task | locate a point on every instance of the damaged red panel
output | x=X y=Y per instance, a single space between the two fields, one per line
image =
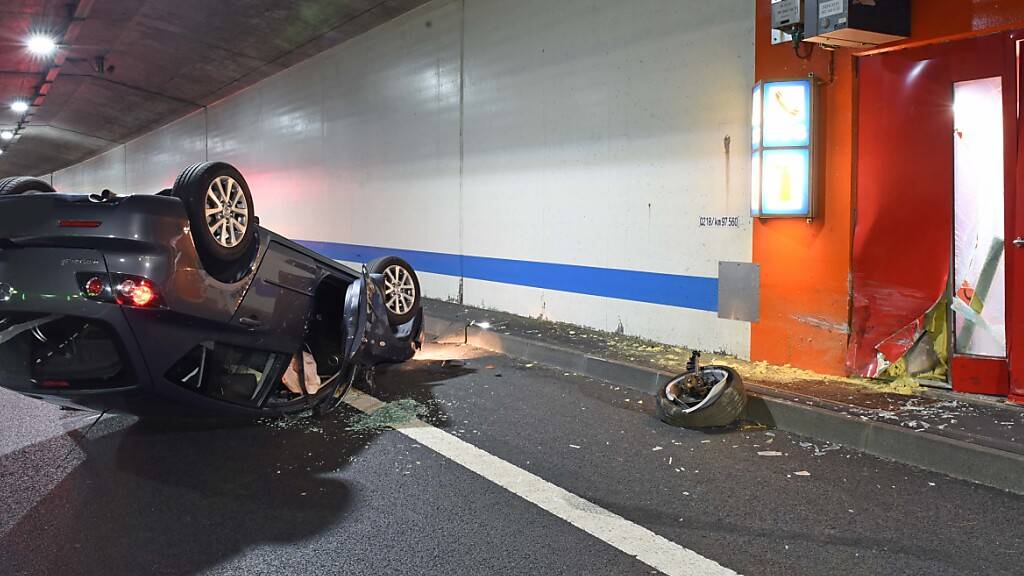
x=980 y=375
x=904 y=215
x=904 y=205
x=896 y=346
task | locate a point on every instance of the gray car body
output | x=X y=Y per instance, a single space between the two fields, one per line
x=45 y=251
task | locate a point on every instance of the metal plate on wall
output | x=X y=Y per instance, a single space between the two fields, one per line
x=739 y=291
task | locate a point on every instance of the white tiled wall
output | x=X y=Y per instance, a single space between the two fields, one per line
x=588 y=132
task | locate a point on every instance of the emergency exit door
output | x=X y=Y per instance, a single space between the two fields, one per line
x=934 y=276
x=977 y=290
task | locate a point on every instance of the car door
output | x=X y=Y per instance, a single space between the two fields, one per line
x=274 y=311
x=371 y=340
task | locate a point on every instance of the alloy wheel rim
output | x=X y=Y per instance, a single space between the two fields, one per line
x=227 y=212
x=399 y=289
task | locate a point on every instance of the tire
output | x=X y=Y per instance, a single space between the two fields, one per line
x=722 y=410
x=223 y=238
x=401 y=288
x=16 y=185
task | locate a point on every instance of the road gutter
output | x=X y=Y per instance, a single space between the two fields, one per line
x=956 y=458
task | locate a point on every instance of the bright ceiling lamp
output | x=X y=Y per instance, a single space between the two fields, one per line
x=41 y=45
x=6 y=135
x=19 y=106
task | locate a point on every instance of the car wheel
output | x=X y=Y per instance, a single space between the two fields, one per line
x=220 y=212
x=401 y=288
x=721 y=406
x=15 y=185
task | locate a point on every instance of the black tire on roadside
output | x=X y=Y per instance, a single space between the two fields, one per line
x=402 y=306
x=220 y=212
x=725 y=411
x=15 y=185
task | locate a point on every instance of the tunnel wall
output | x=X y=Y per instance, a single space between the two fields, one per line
x=577 y=160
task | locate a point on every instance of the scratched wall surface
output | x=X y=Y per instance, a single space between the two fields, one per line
x=592 y=134
x=805 y=266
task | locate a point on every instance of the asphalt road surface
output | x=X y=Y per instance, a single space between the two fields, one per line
x=511 y=468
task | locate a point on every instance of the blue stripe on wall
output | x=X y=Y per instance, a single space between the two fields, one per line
x=694 y=292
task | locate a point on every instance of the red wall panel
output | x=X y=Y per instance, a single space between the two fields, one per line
x=904 y=217
x=806 y=276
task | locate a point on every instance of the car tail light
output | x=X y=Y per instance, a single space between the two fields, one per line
x=94 y=287
x=123 y=289
x=135 y=291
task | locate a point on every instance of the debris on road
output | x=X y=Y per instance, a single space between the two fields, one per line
x=769 y=453
x=303 y=421
x=802 y=473
x=389 y=415
x=820 y=451
x=702 y=396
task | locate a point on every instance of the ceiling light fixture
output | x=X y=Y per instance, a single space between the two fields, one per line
x=19 y=106
x=41 y=45
x=6 y=135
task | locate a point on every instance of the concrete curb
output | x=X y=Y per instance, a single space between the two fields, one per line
x=956 y=458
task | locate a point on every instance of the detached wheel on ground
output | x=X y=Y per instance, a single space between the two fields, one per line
x=401 y=288
x=15 y=185
x=220 y=212
x=703 y=397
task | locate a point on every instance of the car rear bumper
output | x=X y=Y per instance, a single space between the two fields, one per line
x=60 y=346
x=95 y=362
x=89 y=361
x=53 y=341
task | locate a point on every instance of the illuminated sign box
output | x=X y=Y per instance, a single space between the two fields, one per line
x=782 y=150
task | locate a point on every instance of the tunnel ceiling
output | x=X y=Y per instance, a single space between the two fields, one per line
x=130 y=66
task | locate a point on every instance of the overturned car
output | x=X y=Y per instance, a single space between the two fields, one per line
x=179 y=303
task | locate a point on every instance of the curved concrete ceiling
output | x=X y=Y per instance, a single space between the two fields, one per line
x=129 y=66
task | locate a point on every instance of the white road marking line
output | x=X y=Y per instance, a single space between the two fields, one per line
x=651 y=549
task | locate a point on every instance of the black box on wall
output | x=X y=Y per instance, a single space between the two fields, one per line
x=856 y=23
